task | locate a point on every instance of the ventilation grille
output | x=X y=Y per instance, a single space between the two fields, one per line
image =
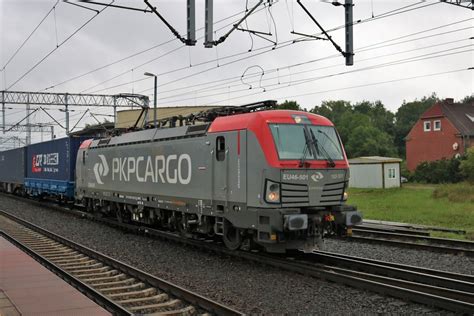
x=294 y=194
x=332 y=193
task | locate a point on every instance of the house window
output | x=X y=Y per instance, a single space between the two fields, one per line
x=427 y=126
x=391 y=173
x=437 y=125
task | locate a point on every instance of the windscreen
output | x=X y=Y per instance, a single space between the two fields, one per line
x=292 y=143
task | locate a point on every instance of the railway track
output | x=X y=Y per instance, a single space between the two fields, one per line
x=436 y=288
x=392 y=229
x=443 y=245
x=119 y=288
x=445 y=290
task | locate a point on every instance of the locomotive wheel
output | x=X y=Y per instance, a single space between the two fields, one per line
x=181 y=227
x=232 y=237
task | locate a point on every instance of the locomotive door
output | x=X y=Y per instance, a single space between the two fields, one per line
x=220 y=172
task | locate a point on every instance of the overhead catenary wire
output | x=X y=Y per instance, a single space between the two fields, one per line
x=272 y=47
x=365 y=48
x=377 y=83
x=279 y=77
x=294 y=83
x=370 y=67
x=128 y=57
x=56 y=48
x=361 y=85
x=29 y=36
x=156 y=58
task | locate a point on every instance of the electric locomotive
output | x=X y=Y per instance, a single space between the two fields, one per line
x=274 y=179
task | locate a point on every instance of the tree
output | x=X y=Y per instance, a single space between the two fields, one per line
x=379 y=116
x=348 y=122
x=467 y=166
x=367 y=140
x=289 y=105
x=333 y=110
x=406 y=117
x=468 y=99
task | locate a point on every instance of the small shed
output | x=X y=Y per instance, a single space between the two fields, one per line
x=375 y=172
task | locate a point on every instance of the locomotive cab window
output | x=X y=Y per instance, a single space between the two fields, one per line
x=291 y=141
x=84 y=157
x=220 y=148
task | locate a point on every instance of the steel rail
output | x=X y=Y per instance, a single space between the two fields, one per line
x=416 y=274
x=430 y=287
x=440 y=273
x=167 y=287
x=445 y=245
x=391 y=229
x=82 y=287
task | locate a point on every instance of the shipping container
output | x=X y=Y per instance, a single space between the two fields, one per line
x=50 y=167
x=12 y=169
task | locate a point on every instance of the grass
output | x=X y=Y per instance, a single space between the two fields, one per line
x=433 y=205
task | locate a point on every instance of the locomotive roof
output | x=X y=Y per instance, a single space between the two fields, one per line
x=253 y=120
x=151 y=135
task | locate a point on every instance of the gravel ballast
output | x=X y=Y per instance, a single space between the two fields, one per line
x=245 y=286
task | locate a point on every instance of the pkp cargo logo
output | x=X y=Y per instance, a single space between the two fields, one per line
x=101 y=169
x=317 y=176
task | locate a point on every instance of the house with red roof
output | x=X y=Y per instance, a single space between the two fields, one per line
x=445 y=130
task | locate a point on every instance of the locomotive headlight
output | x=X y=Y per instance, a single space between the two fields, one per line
x=272 y=194
x=345 y=196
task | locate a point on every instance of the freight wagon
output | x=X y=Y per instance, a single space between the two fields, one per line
x=12 y=170
x=50 y=167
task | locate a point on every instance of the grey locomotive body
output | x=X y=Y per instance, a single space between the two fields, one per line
x=229 y=178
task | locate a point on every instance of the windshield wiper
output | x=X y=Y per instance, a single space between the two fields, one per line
x=330 y=161
x=307 y=147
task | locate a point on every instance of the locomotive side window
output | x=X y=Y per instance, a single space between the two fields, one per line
x=220 y=148
x=84 y=157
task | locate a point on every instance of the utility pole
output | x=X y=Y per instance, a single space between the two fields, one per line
x=191 y=21
x=209 y=39
x=3 y=111
x=155 y=94
x=349 y=33
x=115 y=112
x=67 y=113
x=28 y=125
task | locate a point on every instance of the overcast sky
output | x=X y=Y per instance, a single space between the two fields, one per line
x=426 y=39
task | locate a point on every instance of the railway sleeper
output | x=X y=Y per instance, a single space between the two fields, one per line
x=162 y=297
x=139 y=285
x=78 y=264
x=94 y=281
x=145 y=292
x=40 y=243
x=76 y=258
x=32 y=239
x=88 y=269
x=65 y=257
x=169 y=304
x=96 y=275
x=56 y=252
x=48 y=248
x=188 y=310
x=106 y=285
x=30 y=235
